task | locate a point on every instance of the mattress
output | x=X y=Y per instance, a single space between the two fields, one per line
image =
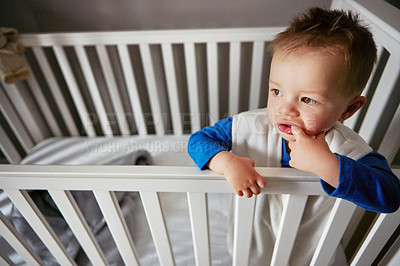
x=154 y=150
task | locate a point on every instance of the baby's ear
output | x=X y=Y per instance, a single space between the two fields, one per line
x=353 y=107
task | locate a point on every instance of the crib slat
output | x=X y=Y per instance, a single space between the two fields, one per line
x=94 y=91
x=380 y=233
x=113 y=89
x=43 y=105
x=132 y=89
x=39 y=224
x=256 y=74
x=74 y=90
x=6 y=262
x=234 y=77
x=391 y=141
x=14 y=122
x=24 y=112
x=200 y=230
x=22 y=109
x=337 y=222
x=395 y=261
x=244 y=214
x=17 y=242
x=8 y=148
x=382 y=95
x=289 y=225
x=169 y=69
x=155 y=218
x=152 y=88
x=56 y=91
x=212 y=73
x=109 y=206
x=76 y=221
x=193 y=90
x=392 y=256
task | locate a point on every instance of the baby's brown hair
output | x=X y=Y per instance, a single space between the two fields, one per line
x=336 y=31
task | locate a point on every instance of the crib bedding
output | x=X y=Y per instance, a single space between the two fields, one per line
x=151 y=150
x=166 y=150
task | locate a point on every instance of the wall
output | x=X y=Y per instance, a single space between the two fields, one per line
x=92 y=15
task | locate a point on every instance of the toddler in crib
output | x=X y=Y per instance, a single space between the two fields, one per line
x=320 y=65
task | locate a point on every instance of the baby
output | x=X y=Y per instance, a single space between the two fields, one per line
x=320 y=65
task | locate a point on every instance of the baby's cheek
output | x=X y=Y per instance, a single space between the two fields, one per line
x=312 y=125
x=313 y=131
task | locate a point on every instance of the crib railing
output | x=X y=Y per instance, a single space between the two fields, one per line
x=149 y=181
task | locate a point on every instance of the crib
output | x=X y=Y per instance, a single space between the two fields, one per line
x=96 y=103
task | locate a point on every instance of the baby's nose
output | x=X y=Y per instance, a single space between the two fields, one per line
x=288 y=109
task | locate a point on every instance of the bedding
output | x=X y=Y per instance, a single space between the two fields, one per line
x=168 y=150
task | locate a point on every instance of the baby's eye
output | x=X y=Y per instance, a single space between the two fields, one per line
x=277 y=92
x=308 y=100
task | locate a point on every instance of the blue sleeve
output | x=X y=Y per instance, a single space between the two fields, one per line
x=367 y=182
x=207 y=142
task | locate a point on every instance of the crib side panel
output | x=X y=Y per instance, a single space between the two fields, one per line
x=104 y=183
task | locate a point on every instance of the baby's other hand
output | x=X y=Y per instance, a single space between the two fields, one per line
x=312 y=154
x=239 y=172
x=306 y=151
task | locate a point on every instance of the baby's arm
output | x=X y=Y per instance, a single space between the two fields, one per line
x=367 y=182
x=209 y=148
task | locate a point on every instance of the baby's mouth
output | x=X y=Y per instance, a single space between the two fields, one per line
x=285 y=128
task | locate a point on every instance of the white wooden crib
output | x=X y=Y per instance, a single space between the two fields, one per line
x=96 y=97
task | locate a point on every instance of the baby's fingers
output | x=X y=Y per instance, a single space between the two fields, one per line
x=239 y=193
x=298 y=132
x=255 y=188
x=261 y=182
x=248 y=193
